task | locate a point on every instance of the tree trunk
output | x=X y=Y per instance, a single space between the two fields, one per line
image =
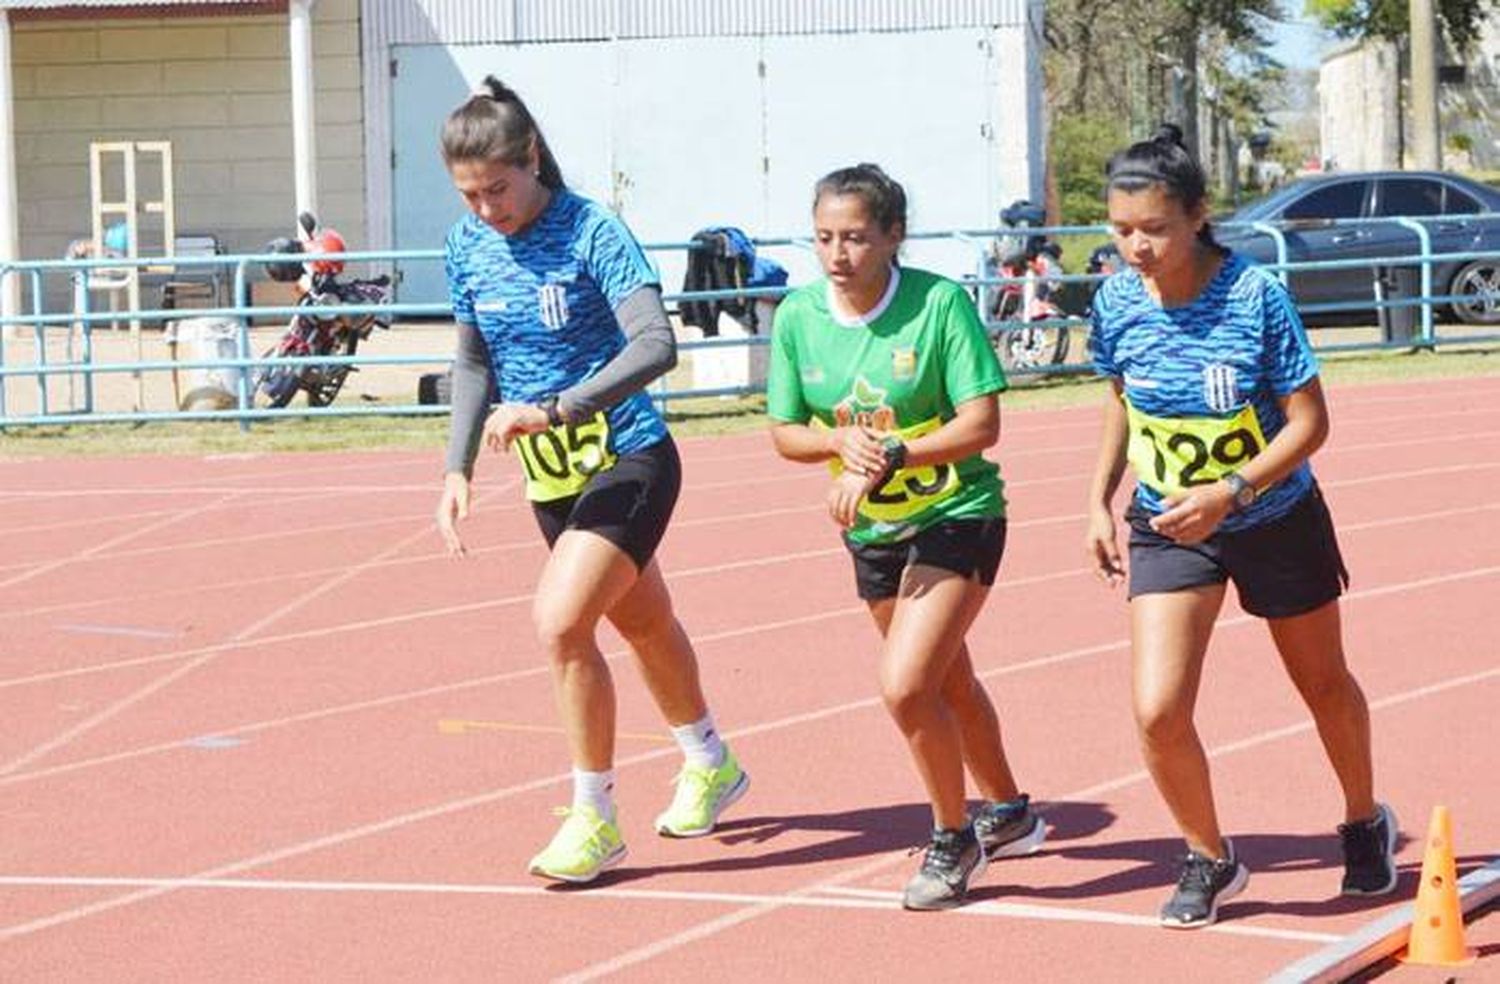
x=1187 y=60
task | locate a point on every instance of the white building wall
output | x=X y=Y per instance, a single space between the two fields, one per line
x=1018 y=137
x=1360 y=109
x=218 y=88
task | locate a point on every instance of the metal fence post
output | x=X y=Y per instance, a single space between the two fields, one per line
x=1424 y=236
x=242 y=344
x=1279 y=238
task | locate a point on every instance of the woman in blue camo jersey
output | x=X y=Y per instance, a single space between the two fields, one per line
x=1215 y=403
x=556 y=303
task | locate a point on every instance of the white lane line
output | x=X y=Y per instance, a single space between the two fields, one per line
x=676 y=941
x=115 y=492
x=119 y=630
x=433 y=691
x=8 y=775
x=699 y=639
x=832 y=897
x=302 y=600
x=801 y=477
x=1057 y=913
x=98 y=548
x=715 y=926
x=701 y=521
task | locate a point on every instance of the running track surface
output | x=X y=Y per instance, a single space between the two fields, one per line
x=258 y=727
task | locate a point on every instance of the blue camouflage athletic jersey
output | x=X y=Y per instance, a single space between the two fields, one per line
x=544 y=301
x=1202 y=381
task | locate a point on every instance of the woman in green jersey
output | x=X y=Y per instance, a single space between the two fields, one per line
x=885 y=374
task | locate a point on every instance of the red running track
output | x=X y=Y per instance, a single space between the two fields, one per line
x=258 y=727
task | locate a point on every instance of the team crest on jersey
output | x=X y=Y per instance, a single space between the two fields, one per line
x=903 y=363
x=552 y=305
x=1220 y=387
x=865 y=405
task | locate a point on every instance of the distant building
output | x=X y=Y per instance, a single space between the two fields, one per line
x=679 y=114
x=1364 y=121
x=1360 y=108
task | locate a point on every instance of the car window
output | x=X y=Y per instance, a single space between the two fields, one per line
x=1460 y=203
x=1410 y=196
x=1345 y=200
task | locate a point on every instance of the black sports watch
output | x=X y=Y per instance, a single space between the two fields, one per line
x=1244 y=493
x=550 y=408
x=895 y=453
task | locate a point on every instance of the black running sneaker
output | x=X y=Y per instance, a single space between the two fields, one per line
x=1370 y=853
x=1009 y=829
x=1204 y=883
x=952 y=858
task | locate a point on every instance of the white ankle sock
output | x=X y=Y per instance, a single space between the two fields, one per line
x=700 y=743
x=595 y=789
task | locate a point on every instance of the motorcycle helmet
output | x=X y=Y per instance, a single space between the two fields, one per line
x=326 y=241
x=289 y=271
x=1023 y=213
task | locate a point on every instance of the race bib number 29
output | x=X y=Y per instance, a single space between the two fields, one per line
x=560 y=461
x=1171 y=454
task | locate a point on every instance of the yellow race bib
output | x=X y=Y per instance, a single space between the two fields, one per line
x=909 y=490
x=1171 y=454
x=560 y=461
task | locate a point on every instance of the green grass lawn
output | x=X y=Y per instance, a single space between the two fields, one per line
x=688 y=418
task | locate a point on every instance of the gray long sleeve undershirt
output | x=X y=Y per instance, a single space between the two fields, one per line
x=650 y=350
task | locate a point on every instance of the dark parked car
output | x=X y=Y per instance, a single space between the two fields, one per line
x=1466 y=218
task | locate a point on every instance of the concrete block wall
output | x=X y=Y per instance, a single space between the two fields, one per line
x=218 y=88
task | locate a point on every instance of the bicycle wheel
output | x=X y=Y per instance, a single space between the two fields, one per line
x=1027 y=347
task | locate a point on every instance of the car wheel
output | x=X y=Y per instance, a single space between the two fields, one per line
x=1479 y=286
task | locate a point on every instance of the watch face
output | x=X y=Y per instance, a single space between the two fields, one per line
x=1245 y=496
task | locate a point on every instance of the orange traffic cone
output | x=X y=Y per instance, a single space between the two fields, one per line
x=1437 y=926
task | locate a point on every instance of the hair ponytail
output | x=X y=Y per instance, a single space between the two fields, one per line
x=1162 y=160
x=494 y=124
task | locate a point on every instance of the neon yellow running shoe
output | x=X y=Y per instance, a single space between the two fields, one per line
x=702 y=794
x=583 y=846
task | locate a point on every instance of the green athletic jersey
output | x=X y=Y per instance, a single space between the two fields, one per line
x=903 y=373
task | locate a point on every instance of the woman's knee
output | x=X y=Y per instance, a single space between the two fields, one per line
x=1329 y=686
x=1162 y=723
x=910 y=700
x=562 y=630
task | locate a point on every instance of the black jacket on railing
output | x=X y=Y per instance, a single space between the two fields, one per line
x=724 y=259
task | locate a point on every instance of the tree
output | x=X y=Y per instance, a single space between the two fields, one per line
x=1461 y=20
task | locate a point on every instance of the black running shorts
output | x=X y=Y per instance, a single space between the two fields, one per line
x=628 y=505
x=1288 y=566
x=970 y=548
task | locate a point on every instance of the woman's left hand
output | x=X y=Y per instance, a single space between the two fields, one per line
x=845 y=493
x=510 y=421
x=1192 y=516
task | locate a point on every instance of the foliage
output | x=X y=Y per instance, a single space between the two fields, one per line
x=1461 y=20
x=1081 y=145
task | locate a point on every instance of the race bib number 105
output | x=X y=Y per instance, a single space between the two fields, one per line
x=560 y=461
x=1171 y=454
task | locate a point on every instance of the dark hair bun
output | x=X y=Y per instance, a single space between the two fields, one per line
x=498 y=91
x=1169 y=134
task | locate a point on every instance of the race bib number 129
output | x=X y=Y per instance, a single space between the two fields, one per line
x=560 y=461
x=1171 y=454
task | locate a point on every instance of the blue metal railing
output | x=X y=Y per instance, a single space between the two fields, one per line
x=81 y=321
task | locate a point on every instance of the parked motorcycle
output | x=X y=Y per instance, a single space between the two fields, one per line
x=323 y=329
x=1023 y=316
